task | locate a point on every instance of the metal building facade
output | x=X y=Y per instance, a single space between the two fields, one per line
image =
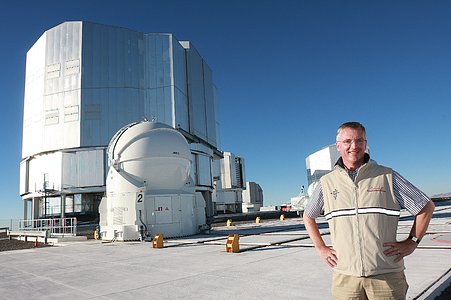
x=84 y=81
x=320 y=163
x=252 y=197
x=231 y=182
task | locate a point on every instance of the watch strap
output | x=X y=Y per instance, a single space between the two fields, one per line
x=414 y=238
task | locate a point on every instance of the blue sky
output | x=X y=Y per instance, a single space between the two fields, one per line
x=288 y=73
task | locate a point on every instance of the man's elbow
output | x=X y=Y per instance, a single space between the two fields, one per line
x=307 y=220
x=431 y=206
x=428 y=209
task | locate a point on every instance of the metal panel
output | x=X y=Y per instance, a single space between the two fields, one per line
x=23 y=185
x=196 y=94
x=181 y=110
x=163 y=209
x=43 y=168
x=230 y=197
x=228 y=174
x=61 y=86
x=232 y=172
x=112 y=77
x=216 y=169
x=158 y=102
x=202 y=96
x=188 y=218
x=201 y=168
x=178 y=213
x=63 y=54
x=158 y=105
x=217 y=125
x=240 y=173
x=193 y=170
x=204 y=177
x=83 y=169
x=180 y=86
x=104 y=111
x=253 y=193
x=111 y=57
x=71 y=113
x=34 y=99
x=70 y=179
x=210 y=111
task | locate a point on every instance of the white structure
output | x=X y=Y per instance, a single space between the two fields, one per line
x=252 y=197
x=320 y=163
x=84 y=82
x=149 y=189
x=298 y=202
x=230 y=184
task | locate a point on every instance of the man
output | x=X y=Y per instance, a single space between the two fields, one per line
x=362 y=202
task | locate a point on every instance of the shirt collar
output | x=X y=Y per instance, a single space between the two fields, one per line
x=366 y=158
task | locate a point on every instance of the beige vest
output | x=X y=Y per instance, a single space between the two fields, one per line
x=362 y=216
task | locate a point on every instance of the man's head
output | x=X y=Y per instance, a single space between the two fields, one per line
x=351 y=143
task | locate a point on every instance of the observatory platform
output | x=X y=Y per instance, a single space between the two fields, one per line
x=276 y=261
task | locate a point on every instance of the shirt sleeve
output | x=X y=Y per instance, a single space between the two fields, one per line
x=315 y=205
x=408 y=196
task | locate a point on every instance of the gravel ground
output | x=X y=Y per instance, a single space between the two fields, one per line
x=7 y=245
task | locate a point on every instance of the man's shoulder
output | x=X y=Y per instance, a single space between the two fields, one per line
x=332 y=173
x=380 y=169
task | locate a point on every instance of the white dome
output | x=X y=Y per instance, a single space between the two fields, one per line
x=151 y=152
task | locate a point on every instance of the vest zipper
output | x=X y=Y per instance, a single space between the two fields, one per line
x=359 y=233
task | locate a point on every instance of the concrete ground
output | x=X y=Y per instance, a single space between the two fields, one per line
x=276 y=261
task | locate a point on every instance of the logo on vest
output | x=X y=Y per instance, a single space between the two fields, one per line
x=376 y=189
x=335 y=193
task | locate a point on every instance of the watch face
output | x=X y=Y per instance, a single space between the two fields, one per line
x=415 y=239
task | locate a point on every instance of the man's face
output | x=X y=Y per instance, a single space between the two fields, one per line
x=352 y=144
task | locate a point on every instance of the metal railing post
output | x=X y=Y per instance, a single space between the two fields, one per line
x=61 y=226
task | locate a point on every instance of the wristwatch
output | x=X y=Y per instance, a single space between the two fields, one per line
x=414 y=238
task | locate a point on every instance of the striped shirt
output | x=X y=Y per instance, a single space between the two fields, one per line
x=407 y=195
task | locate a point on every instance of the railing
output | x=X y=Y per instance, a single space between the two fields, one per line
x=54 y=227
x=41 y=235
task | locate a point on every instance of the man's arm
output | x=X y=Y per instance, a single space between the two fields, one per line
x=418 y=230
x=422 y=220
x=418 y=204
x=326 y=253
